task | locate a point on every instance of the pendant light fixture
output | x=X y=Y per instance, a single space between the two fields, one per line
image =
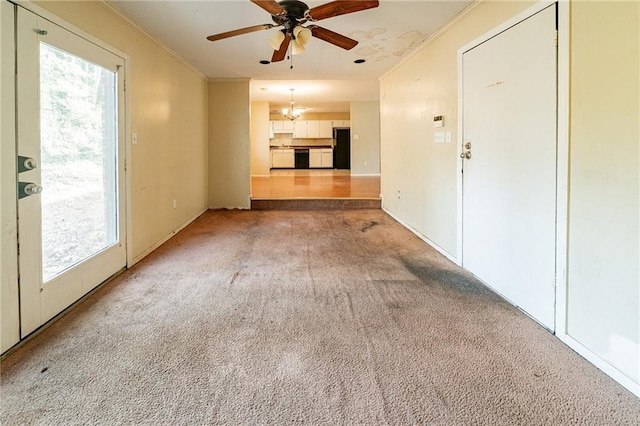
x=292 y=113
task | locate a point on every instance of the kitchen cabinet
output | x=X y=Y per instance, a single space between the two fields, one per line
x=300 y=130
x=320 y=158
x=282 y=158
x=325 y=129
x=341 y=123
x=281 y=126
x=313 y=129
x=315 y=158
x=327 y=157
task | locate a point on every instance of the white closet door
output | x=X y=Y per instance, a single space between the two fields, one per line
x=509 y=181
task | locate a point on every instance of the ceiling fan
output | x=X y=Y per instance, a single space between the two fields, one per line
x=291 y=15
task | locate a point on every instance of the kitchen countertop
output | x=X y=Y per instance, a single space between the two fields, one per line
x=302 y=147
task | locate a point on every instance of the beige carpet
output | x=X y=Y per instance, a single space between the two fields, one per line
x=281 y=317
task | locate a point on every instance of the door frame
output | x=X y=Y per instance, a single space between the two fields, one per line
x=126 y=199
x=562 y=146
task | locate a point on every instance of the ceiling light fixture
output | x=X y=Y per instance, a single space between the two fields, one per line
x=299 y=35
x=292 y=113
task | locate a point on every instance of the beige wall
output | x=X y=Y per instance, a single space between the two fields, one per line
x=419 y=176
x=604 y=233
x=169 y=114
x=229 y=144
x=365 y=126
x=260 y=159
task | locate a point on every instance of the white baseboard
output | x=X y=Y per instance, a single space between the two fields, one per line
x=148 y=251
x=423 y=238
x=365 y=174
x=602 y=364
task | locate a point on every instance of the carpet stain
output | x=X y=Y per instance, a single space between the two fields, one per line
x=234 y=277
x=368 y=226
x=456 y=280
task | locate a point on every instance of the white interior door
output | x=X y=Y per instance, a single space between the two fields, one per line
x=70 y=118
x=509 y=180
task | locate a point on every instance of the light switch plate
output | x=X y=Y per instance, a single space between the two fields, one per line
x=134 y=138
x=447 y=137
x=439 y=137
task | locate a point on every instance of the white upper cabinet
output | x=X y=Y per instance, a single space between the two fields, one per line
x=313 y=129
x=325 y=129
x=282 y=126
x=341 y=123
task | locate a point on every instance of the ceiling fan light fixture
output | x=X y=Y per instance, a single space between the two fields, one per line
x=276 y=39
x=296 y=48
x=302 y=35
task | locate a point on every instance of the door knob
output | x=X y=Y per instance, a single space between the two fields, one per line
x=466 y=155
x=28 y=188
x=467 y=145
x=26 y=163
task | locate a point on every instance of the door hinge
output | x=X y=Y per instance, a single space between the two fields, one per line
x=555 y=39
x=41 y=32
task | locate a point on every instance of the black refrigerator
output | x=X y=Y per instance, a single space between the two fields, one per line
x=342 y=150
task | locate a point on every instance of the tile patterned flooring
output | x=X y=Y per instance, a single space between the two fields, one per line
x=314 y=184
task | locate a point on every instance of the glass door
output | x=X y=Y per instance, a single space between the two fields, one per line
x=70 y=167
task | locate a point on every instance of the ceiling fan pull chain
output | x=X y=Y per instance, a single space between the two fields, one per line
x=290 y=57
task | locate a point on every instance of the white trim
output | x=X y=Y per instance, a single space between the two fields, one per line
x=601 y=364
x=113 y=9
x=562 y=172
x=148 y=251
x=127 y=163
x=459 y=164
x=423 y=238
x=366 y=174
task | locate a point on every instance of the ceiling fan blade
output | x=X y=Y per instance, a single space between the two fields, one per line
x=270 y=6
x=279 y=54
x=333 y=37
x=341 y=7
x=239 y=32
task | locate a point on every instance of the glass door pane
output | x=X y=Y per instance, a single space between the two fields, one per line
x=78 y=132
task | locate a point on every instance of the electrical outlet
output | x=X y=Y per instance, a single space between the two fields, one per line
x=174 y=203
x=447 y=137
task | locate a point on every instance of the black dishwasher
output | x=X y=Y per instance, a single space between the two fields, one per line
x=301 y=158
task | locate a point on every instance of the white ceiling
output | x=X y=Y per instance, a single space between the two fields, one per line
x=325 y=77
